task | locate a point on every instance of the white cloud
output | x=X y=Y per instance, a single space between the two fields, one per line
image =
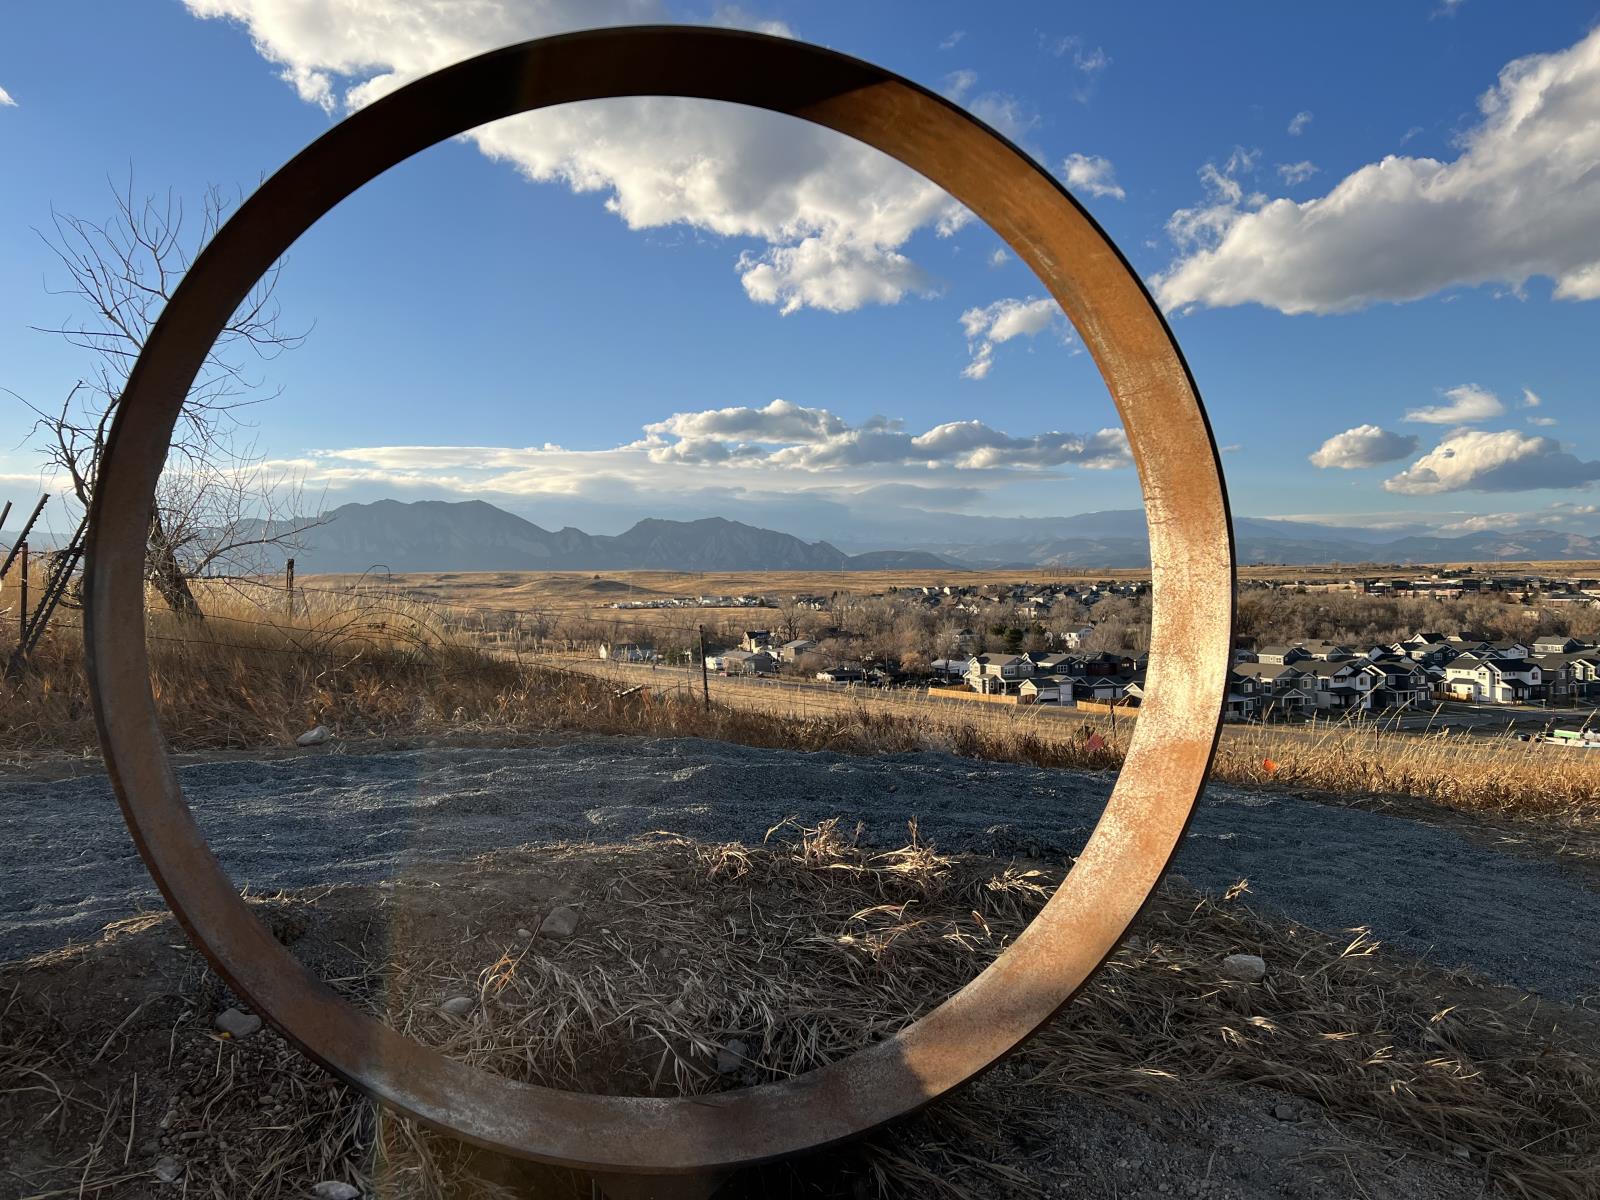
x=779 y=421
x=1363 y=446
x=1530 y=398
x=1546 y=421
x=774 y=449
x=1477 y=460
x=953 y=40
x=1468 y=405
x=997 y=323
x=1093 y=174
x=999 y=258
x=1299 y=172
x=1522 y=199
x=5 y=99
x=1088 y=61
x=958 y=83
x=1298 y=123
x=834 y=214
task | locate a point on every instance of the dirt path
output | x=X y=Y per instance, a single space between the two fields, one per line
x=69 y=866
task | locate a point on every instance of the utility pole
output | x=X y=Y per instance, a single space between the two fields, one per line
x=288 y=585
x=705 y=674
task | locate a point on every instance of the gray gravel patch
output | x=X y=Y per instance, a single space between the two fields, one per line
x=69 y=866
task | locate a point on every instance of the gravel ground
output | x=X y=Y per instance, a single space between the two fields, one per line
x=68 y=865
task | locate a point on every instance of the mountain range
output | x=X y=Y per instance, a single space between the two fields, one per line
x=435 y=535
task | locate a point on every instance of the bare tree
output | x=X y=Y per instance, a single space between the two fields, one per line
x=217 y=507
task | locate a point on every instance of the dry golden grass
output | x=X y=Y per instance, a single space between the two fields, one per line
x=804 y=949
x=379 y=665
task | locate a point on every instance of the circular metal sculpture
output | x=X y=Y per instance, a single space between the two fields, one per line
x=1166 y=763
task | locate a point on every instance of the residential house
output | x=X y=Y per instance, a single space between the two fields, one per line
x=790 y=652
x=843 y=673
x=748 y=662
x=755 y=639
x=1281 y=655
x=1280 y=688
x=1493 y=680
x=997 y=673
x=1405 y=684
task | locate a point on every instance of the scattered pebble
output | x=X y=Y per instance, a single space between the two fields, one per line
x=1247 y=968
x=524 y=933
x=237 y=1023
x=313 y=737
x=168 y=1170
x=336 y=1189
x=1283 y=1112
x=458 y=1006
x=731 y=1058
x=562 y=923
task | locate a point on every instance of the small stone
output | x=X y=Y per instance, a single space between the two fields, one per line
x=458 y=1006
x=561 y=923
x=237 y=1023
x=168 y=1170
x=1247 y=968
x=524 y=933
x=1283 y=1112
x=1461 y=1152
x=313 y=737
x=336 y=1189
x=731 y=1058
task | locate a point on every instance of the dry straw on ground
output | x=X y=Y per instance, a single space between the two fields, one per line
x=793 y=953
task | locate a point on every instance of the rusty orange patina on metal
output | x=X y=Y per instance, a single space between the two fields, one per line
x=1166 y=765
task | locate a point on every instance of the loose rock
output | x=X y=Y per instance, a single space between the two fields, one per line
x=458 y=1006
x=313 y=737
x=168 y=1170
x=336 y=1189
x=562 y=923
x=237 y=1023
x=524 y=933
x=1247 y=968
x=731 y=1058
x=1283 y=1112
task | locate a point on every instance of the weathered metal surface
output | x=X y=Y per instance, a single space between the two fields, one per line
x=1166 y=764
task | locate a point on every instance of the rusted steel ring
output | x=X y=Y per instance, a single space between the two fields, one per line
x=1165 y=767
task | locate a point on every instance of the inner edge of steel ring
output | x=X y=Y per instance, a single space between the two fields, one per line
x=1170 y=753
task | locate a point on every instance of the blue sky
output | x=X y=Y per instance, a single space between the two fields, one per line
x=1377 y=232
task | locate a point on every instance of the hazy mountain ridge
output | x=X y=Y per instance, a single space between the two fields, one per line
x=471 y=535
x=437 y=535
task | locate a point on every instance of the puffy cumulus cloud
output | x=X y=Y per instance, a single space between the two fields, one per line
x=779 y=421
x=1522 y=199
x=1363 y=446
x=1476 y=460
x=1093 y=174
x=1468 y=405
x=994 y=324
x=835 y=215
x=1299 y=122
